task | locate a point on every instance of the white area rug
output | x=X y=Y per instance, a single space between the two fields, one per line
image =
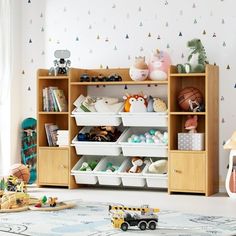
x=92 y=219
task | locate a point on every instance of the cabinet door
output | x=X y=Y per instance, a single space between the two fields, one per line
x=53 y=166
x=187 y=172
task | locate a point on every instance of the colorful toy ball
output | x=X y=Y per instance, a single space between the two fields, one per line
x=190 y=98
x=20 y=171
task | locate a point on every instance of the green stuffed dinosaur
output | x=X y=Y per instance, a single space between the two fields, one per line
x=196 y=60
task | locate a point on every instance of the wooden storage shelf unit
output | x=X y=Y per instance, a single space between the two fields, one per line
x=52 y=162
x=194 y=171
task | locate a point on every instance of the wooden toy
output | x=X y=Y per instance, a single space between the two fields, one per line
x=123 y=218
x=139 y=71
x=135 y=103
x=158 y=65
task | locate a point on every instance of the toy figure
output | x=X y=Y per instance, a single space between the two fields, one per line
x=158 y=65
x=139 y=71
x=191 y=124
x=196 y=60
x=137 y=163
x=52 y=201
x=135 y=103
x=61 y=66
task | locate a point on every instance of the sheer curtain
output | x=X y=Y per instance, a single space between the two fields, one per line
x=5 y=75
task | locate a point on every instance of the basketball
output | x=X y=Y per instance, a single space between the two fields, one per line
x=187 y=95
x=20 y=171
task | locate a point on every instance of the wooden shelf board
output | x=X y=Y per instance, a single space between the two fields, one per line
x=53 y=148
x=187 y=74
x=53 y=113
x=190 y=152
x=145 y=82
x=53 y=77
x=187 y=113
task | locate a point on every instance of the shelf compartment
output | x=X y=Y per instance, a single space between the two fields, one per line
x=176 y=125
x=85 y=177
x=109 y=178
x=145 y=82
x=60 y=120
x=96 y=118
x=96 y=148
x=141 y=149
x=131 y=179
x=146 y=119
x=155 y=180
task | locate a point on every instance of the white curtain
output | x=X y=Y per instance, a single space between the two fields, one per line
x=5 y=75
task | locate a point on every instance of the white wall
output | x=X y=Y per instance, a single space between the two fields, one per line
x=95 y=33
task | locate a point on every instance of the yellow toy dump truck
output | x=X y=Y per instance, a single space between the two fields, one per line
x=124 y=217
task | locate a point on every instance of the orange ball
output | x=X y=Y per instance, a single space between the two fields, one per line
x=21 y=172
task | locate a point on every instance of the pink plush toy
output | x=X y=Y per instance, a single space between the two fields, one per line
x=191 y=124
x=158 y=65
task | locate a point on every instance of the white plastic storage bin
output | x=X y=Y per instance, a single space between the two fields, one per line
x=96 y=148
x=155 y=180
x=96 y=118
x=145 y=119
x=109 y=178
x=131 y=179
x=85 y=177
x=141 y=149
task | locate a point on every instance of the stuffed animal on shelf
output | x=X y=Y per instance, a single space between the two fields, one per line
x=159 y=105
x=191 y=124
x=139 y=71
x=137 y=162
x=135 y=103
x=158 y=167
x=158 y=65
x=196 y=60
x=107 y=104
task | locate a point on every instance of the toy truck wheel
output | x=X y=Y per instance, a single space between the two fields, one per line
x=142 y=225
x=124 y=226
x=152 y=225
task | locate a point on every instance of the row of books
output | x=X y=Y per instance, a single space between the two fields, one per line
x=54 y=99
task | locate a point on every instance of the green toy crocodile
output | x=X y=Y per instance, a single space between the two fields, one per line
x=196 y=60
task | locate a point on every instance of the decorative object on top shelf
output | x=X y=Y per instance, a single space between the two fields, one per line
x=100 y=134
x=137 y=162
x=100 y=78
x=190 y=99
x=158 y=167
x=84 y=78
x=151 y=136
x=158 y=65
x=139 y=71
x=61 y=66
x=230 y=182
x=135 y=103
x=197 y=59
x=191 y=124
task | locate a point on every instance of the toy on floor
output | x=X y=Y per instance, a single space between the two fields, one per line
x=191 y=124
x=158 y=167
x=100 y=134
x=152 y=136
x=190 y=99
x=137 y=162
x=135 y=103
x=196 y=60
x=45 y=202
x=88 y=166
x=123 y=217
x=14 y=184
x=20 y=171
x=61 y=66
x=139 y=71
x=158 y=65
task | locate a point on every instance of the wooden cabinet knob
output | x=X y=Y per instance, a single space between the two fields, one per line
x=63 y=166
x=177 y=171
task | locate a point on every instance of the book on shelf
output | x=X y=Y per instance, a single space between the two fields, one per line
x=51 y=133
x=54 y=100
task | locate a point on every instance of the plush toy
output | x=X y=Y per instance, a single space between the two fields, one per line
x=159 y=105
x=104 y=105
x=196 y=60
x=158 y=167
x=150 y=104
x=191 y=124
x=158 y=65
x=139 y=71
x=135 y=103
x=137 y=163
